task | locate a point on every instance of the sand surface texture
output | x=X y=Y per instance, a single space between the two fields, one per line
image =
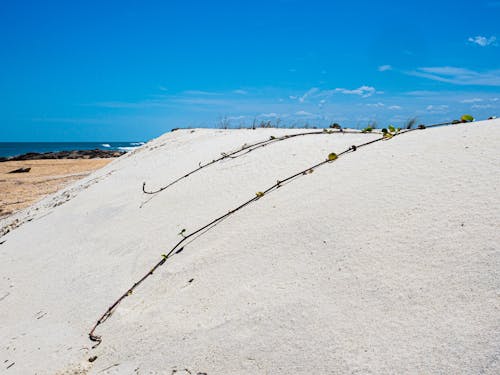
x=384 y=261
x=19 y=190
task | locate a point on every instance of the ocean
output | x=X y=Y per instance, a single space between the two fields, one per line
x=18 y=148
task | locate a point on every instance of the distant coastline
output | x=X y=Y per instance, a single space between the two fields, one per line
x=11 y=149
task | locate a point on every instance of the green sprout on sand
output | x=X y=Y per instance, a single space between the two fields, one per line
x=390 y=132
x=332 y=156
x=466 y=118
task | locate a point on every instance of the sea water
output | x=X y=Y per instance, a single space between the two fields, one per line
x=18 y=148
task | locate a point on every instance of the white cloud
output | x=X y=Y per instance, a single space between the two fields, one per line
x=363 y=91
x=395 y=107
x=240 y=92
x=384 y=68
x=236 y=117
x=308 y=93
x=376 y=105
x=269 y=115
x=199 y=92
x=482 y=106
x=473 y=100
x=483 y=41
x=437 y=108
x=303 y=113
x=458 y=76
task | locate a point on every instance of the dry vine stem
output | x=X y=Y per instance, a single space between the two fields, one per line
x=178 y=248
x=245 y=149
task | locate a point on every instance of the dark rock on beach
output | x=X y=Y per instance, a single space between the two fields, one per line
x=21 y=170
x=76 y=154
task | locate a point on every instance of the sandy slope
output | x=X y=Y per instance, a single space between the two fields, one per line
x=386 y=261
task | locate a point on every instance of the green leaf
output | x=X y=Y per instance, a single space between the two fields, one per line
x=333 y=156
x=259 y=194
x=392 y=129
x=384 y=130
x=467 y=118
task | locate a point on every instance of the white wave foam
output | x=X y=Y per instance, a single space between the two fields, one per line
x=127 y=148
x=106 y=145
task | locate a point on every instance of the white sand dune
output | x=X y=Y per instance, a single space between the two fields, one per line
x=384 y=261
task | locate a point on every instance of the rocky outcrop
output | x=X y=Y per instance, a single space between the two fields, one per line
x=76 y=154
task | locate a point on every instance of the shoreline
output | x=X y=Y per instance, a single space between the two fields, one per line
x=69 y=154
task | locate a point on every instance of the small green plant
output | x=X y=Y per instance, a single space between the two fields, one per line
x=332 y=156
x=335 y=126
x=259 y=194
x=466 y=118
x=181 y=233
x=370 y=127
x=390 y=132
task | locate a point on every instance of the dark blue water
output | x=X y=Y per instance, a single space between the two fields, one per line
x=18 y=148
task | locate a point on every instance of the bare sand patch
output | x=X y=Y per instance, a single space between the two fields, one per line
x=20 y=190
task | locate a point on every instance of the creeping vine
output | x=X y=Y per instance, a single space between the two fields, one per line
x=245 y=149
x=179 y=246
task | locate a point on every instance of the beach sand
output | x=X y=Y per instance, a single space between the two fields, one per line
x=20 y=190
x=386 y=261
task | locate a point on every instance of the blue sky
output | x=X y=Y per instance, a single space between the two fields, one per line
x=131 y=70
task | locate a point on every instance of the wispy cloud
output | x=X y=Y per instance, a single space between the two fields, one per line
x=240 y=92
x=384 y=68
x=458 y=76
x=482 y=106
x=232 y=118
x=473 y=100
x=200 y=92
x=483 y=41
x=363 y=91
x=308 y=93
x=269 y=115
x=395 y=107
x=304 y=113
x=437 y=108
x=316 y=93
x=376 y=105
